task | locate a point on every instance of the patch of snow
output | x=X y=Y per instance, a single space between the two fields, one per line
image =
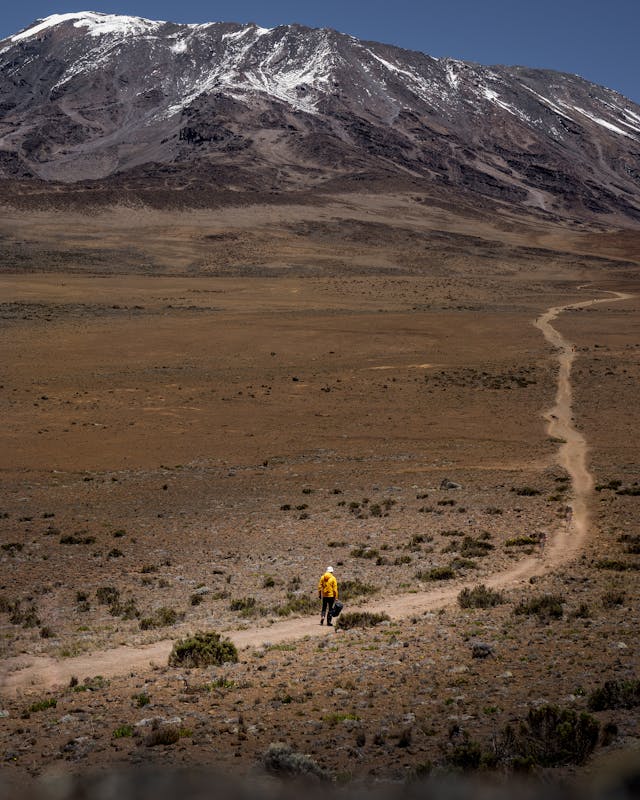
x=628 y=113
x=236 y=34
x=98 y=24
x=452 y=76
x=179 y=47
x=549 y=103
x=494 y=97
x=390 y=66
x=603 y=122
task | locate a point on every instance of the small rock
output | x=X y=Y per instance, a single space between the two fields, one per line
x=481 y=650
x=449 y=484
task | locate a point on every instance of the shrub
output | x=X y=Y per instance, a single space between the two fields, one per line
x=141 y=700
x=355 y=588
x=107 y=595
x=126 y=610
x=546 y=607
x=613 y=598
x=280 y=759
x=361 y=619
x=526 y=491
x=71 y=539
x=479 y=597
x=12 y=547
x=475 y=548
x=297 y=604
x=552 y=736
x=364 y=551
x=466 y=756
x=437 y=574
x=247 y=606
x=201 y=650
x=27 y=617
x=42 y=705
x=462 y=563
x=124 y=731
x=339 y=716
x=161 y=618
x=615 y=694
x=163 y=735
x=617 y=566
x=522 y=541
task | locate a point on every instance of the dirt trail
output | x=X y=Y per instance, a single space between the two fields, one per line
x=25 y=673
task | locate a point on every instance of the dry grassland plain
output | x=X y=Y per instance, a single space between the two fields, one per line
x=201 y=410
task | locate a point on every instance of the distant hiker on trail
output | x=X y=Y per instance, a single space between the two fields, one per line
x=328 y=593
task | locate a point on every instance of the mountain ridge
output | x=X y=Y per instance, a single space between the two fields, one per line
x=97 y=97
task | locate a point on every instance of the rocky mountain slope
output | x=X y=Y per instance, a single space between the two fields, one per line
x=95 y=97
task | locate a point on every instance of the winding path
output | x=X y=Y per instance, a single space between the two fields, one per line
x=25 y=673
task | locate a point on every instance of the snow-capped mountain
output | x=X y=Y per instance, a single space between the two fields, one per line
x=88 y=96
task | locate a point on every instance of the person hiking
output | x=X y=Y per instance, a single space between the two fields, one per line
x=328 y=593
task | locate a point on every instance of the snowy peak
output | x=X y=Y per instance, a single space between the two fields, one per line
x=88 y=95
x=95 y=24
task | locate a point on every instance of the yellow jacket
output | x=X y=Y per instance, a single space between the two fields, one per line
x=328 y=586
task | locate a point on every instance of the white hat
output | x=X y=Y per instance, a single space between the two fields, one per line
x=329 y=569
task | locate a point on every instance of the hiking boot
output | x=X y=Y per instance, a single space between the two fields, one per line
x=322 y=621
x=329 y=624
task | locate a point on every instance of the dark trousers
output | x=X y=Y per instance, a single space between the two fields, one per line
x=327 y=607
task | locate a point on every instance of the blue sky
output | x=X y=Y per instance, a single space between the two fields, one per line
x=597 y=39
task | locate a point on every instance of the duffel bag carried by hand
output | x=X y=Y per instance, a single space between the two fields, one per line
x=337 y=608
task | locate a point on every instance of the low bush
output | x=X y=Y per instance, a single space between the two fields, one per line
x=613 y=598
x=124 y=731
x=475 y=548
x=546 y=607
x=551 y=737
x=522 y=541
x=107 y=595
x=71 y=539
x=615 y=694
x=350 y=589
x=202 y=650
x=361 y=619
x=280 y=759
x=479 y=597
x=437 y=574
x=163 y=735
x=364 y=551
x=161 y=618
x=526 y=491
x=617 y=566
x=42 y=705
x=248 y=607
x=297 y=604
